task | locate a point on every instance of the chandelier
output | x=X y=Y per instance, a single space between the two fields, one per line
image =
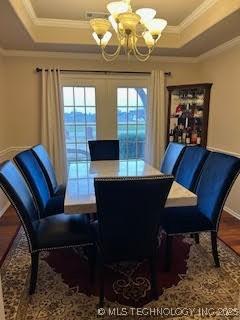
x=130 y=28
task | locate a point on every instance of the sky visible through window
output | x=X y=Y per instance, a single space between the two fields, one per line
x=80 y=121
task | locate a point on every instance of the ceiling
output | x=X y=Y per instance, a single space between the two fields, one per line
x=42 y=25
x=76 y=10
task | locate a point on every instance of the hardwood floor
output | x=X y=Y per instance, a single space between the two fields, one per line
x=9 y=225
x=229 y=231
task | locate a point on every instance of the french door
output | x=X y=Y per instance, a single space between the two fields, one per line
x=108 y=107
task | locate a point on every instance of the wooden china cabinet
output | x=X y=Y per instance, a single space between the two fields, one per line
x=188 y=110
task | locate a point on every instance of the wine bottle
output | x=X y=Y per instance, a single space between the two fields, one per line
x=199 y=137
x=171 y=137
x=194 y=136
x=188 y=136
x=184 y=135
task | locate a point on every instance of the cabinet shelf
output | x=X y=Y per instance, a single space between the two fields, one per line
x=195 y=125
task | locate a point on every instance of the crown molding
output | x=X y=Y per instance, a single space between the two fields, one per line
x=84 y=24
x=219 y=49
x=97 y=57
x=89 y=56
x=61 y=23
x=29 y=8
x=207 y=4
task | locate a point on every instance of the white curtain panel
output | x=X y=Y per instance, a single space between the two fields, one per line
x=156 y=120
x=52 y=121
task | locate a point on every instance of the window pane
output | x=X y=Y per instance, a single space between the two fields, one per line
x=141 y=118
x=71 y=152
x=82 y=151
x=122 y=97
x=140 y=150
x=132 y=97
x=69 y=134
x=79 y=122
x=131 y=122
x=68 y=115
x=132 y=132
x=79 y=96
x=91 y=115
x=122 y=132
x=131 y=146
x=123 y=148
x=91 y=132
x=81 y=133
x=141 y=132
x=80 y=115
x=122 y=115
x=68 y=96
x=132 y=115
x=90 y=97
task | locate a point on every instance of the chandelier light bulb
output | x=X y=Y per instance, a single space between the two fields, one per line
x=146 y=14
x=117 y=7
x=156 y=26
x=148 y=38
x=104 y=40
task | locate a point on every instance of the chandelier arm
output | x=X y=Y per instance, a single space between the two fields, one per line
x=111 y=56
x=139 y=58
x=142 y=54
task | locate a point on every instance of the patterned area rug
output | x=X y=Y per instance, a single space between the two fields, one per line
x=194 y=289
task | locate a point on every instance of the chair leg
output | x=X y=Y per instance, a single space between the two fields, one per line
x=215 y=249
x=153 y=271
x=92 y=253
x=196 y=236
x=101 y=280
x=34 y=272
x=168 y=253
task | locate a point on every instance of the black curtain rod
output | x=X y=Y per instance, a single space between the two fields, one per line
x=168 y=74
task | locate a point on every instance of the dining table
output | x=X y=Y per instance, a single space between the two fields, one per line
x=80 y=193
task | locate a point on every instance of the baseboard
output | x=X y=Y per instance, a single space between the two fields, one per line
x=232 y=212
x=4 y=208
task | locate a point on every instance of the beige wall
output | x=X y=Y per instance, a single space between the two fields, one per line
x=3 y=126
x=2 y=104
x=23 y=91
x=223 y=71
x=24 y=98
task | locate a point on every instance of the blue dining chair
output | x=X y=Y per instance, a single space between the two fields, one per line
x=190 y=166
x=46 y=165
x=60 y=231
x=36 y=181
x=127 y=228
x=104 y=149
x=217 y=177
x=172 y=157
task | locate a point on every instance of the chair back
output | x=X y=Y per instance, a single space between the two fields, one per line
x=18 y=193
x=172 y=157
x=104 y=149
x=217 y=177
x=47 y=167
x=128 y=210
x=190 y=166
x=34 y=176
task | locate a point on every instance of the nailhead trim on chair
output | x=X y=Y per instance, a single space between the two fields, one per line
x=184 y=233
x=63 y=247
x=20 y=217
x=134 y=178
